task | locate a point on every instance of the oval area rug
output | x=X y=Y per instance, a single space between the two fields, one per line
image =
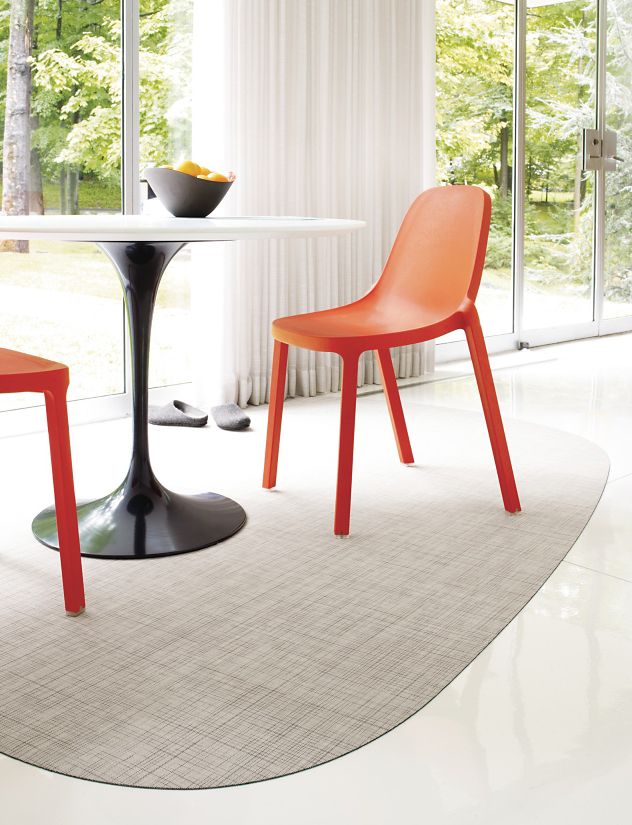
x=284 y=647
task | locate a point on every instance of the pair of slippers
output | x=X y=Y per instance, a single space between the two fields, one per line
x=180 y=414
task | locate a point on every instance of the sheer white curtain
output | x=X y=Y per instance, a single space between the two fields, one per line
x=327 y=108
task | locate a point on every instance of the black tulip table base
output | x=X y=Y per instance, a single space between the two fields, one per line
x=141 y=518
x=136 y=522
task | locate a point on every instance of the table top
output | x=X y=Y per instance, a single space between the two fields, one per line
x=99 y=228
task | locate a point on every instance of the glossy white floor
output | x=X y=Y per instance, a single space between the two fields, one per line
x=536 y=730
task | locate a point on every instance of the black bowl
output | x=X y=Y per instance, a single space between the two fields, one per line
x=183 y=195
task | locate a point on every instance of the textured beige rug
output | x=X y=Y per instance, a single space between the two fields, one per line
x=283 y=647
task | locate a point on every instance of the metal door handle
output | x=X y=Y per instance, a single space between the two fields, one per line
x=600 y=150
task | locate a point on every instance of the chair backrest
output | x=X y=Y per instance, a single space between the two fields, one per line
x=438 y=255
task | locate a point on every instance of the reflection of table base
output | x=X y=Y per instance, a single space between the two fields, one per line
x=141 y=518
x=136 y=522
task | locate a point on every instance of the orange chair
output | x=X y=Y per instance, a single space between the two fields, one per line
x=28 y=373
x=427 y=289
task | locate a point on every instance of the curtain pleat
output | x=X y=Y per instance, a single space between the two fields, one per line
x=324 y=118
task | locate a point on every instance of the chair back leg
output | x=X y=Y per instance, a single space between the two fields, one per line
x=65 y=504
x=489 y=399
x=394 y=403
x=275 y=414
x=345 y=451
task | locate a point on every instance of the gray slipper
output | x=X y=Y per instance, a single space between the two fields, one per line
x=177 y=414
x=230 y=417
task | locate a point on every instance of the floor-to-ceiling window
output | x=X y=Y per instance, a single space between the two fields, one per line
x=62 y=62
x=474 y=105
x=560 y=229
x=558 y=197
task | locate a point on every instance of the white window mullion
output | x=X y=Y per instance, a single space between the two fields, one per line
x=130 y=137
x=519 y=117
x=130 y=18
x=600 y=175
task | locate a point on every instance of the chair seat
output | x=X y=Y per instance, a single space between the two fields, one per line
x=17 y=363
x=20 y=372
x=367 y=323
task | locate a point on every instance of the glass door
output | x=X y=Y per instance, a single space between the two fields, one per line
x=559 y=224
x=577 y=107
x=559 y=263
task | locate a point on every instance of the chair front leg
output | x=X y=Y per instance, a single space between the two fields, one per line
x=275 y=414
x=345 y=451
x=489 y=400
x=65 y=504
x=394 y=403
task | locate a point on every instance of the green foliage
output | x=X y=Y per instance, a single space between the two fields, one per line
x=500 y=245
x=474 y=100
x=474 y=88
x=475 y=51
x=77 y=83
x=618 y=263
x=79 y=95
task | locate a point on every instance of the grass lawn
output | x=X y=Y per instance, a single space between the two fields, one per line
x=552 y=197
x=94 y=195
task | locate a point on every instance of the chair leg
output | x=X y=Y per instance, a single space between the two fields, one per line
x=394 y=404
x=487 y=390
x=65 y=504
x=345 y=452
x=275 y=414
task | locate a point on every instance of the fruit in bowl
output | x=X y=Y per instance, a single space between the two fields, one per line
x=220 y=177
x=188 y=190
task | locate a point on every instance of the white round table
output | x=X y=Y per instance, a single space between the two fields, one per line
x=142 y=518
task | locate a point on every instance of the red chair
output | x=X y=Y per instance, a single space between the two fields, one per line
x=28 y=373
x=428 y=288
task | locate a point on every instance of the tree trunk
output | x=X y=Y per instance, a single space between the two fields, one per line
x=72 y=192
x=580 y=183
x=36 y=194
x=16 y=161
x=529 y=184
x=72 y=184
x=62 y=190
x=36 y=201
x=69 y=190
x=577 y=198
x=59 y=21
x=504 y=162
